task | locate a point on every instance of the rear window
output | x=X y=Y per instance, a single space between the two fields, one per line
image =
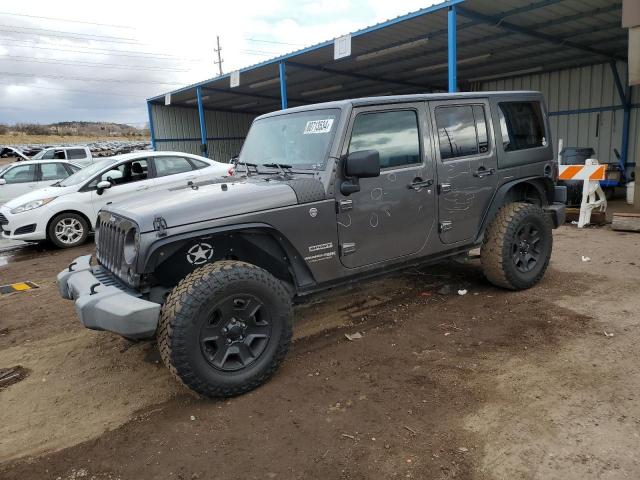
x=521 y=125
x=76 y=153
x=462 y=131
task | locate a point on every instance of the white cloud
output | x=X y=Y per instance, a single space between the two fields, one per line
x=42 y=72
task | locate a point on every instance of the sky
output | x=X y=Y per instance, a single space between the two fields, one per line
x=100 y=61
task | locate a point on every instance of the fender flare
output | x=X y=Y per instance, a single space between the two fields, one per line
x=301 y=276
x=543 y=185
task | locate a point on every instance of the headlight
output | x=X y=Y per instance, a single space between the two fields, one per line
x=131 y=246
x=32 y=204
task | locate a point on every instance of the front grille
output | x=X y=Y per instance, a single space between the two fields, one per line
x=3 y=220
x=26 y=229
x=110 y=236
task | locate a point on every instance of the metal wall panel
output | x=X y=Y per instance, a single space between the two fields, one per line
x=178 y=129
x=581 y=88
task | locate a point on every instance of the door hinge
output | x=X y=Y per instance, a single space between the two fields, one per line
x=160 y=224
x=446 y=225
x=444 y=188
x=345 y=205
x=347 y=248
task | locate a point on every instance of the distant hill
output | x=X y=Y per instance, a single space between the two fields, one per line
x=101 y=129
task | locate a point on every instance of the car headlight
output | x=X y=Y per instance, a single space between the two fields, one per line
x=131 y=246
x=32 y=204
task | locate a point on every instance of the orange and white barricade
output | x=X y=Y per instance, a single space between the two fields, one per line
x=592 y=194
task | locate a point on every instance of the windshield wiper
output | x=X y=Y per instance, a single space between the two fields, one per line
x=246 y=166
x=283 y=167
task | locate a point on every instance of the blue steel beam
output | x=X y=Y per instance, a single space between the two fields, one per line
x=452 y=40
x=235 y=91
x=625 y=98
x=282 y=69
x=497 y=22
x=203 y=126
x=151 y=132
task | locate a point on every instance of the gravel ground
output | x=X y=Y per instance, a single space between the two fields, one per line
x=541 y=384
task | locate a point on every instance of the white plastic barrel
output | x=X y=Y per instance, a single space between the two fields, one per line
x=630 y=188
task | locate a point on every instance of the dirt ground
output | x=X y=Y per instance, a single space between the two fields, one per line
x=541 y=384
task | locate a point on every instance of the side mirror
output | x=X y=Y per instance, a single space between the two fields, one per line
x=3 y=181
x=357 y=165
x=102 y=186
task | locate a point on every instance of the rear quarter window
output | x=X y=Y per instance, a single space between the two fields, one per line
x=521 y=125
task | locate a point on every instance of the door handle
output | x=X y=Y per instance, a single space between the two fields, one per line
x=483 y=172
x=418 y=184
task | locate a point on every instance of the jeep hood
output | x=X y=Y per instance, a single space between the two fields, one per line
x=186 y=205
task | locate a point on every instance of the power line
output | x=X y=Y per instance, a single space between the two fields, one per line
x=93 y=92
x=101 y=51
x=67 y=33
x=87 y=79
x=3 y=28
x=15 y=58
x=68 y=20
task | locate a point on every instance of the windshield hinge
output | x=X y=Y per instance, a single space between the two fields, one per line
x=160 y=224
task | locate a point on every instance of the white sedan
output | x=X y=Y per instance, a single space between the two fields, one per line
x=23 y=177
x=65 y=212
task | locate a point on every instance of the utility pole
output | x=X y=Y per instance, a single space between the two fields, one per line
x=218 y=50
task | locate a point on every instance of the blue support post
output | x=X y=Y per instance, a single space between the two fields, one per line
x=203 y=126
x=151 y=132
x=283 y=84
x=625 y=98
x=452 y=41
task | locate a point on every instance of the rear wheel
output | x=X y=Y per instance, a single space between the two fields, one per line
x=68 y=230
x=517 y=246
x=225 y=328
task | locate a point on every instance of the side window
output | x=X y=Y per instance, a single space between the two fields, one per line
x=76 y=153
x=522 y=126
x=21 y=174
x=128 y=172
x=198 y=164
x=462 y=131
x=52 y=171
x=48 y=155
x=171 y=165
x=59 y=155
x=393 y=134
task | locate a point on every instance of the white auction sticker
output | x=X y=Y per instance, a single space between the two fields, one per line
x=318 y=126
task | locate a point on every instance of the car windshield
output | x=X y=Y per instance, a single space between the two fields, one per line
x=300 y=140
x=87 y=173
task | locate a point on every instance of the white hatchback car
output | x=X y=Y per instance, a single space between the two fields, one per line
x=65 y=212
x=23 y=177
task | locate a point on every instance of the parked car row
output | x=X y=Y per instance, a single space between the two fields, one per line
x=65 y=211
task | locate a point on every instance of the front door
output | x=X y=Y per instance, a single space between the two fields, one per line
x=392 y=215
x=128 y=180
x=466 y=167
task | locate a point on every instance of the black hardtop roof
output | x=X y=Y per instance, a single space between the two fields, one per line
x=421 y=97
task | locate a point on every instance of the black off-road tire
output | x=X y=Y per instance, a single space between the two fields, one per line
x=193 y=302
x=81 y=229
x=500 y=249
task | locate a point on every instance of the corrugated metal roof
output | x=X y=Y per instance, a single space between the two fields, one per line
x=495 y=39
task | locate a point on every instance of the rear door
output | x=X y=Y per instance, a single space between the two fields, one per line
x=392 y=215
x=466 y=166
x=172 y=170
x=51 y=172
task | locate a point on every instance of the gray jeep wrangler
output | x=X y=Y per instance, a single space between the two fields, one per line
x=322 y=196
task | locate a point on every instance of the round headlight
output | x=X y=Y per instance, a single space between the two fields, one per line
x=131 y=245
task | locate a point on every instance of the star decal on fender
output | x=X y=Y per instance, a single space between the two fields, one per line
x=200 y=253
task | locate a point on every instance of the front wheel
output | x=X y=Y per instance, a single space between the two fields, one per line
x=517 y=246
x=225 y=328
x=68 y=230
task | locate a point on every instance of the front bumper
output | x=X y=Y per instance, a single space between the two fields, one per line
x=12 y=223
x=103 y=304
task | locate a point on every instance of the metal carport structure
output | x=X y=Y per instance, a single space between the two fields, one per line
x=574 y=51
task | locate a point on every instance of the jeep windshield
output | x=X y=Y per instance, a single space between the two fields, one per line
x=300 y=140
